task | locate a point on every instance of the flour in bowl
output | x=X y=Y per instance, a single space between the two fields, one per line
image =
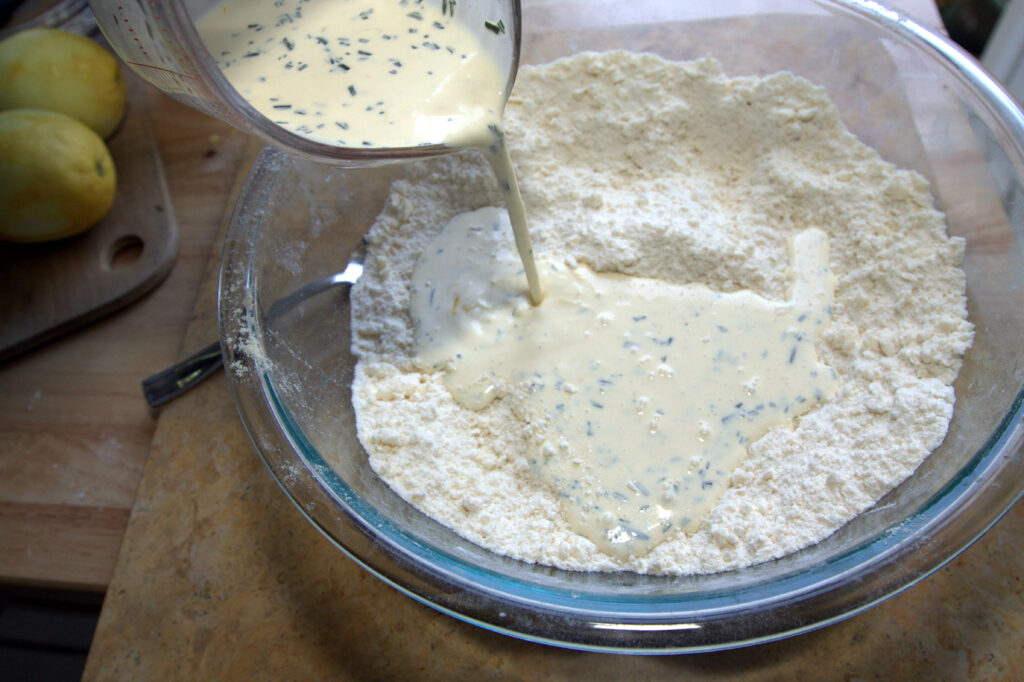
x=672 y=171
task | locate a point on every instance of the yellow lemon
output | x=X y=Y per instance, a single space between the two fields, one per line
x=56 y=176
x=45 y=68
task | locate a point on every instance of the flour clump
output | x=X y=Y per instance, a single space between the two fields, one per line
x=632 y=164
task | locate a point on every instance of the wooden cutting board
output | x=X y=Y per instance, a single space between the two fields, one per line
x=53 y=288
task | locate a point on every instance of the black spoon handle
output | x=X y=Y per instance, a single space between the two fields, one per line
x=164 y=387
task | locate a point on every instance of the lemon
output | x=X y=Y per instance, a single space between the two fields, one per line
x=56 y=176
x=45 y=68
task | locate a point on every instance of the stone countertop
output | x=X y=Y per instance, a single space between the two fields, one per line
x=220 y=577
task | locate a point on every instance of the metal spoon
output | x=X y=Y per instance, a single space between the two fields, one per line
x=165 y=386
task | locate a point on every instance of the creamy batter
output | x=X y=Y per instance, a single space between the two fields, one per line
x=695 y=178
x=359 y=73
x=641 y=396
x=371 y=74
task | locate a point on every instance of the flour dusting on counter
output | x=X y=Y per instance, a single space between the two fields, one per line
x=635 y=165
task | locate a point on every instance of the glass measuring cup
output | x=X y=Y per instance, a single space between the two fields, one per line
x=158 y=40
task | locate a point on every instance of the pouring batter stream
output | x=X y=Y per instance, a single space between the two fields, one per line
x=371 y=74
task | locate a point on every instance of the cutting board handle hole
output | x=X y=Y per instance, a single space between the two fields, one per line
x=124 y=251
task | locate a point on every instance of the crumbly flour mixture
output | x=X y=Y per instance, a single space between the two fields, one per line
x=633 y=164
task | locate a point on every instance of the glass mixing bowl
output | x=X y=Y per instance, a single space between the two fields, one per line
x=910 y=94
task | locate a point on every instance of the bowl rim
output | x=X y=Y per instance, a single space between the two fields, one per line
x=868 y=574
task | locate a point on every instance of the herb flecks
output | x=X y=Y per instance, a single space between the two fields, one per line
x=362 y=44
x=497 y=27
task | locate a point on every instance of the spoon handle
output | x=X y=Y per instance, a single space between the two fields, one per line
x=164 y=387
